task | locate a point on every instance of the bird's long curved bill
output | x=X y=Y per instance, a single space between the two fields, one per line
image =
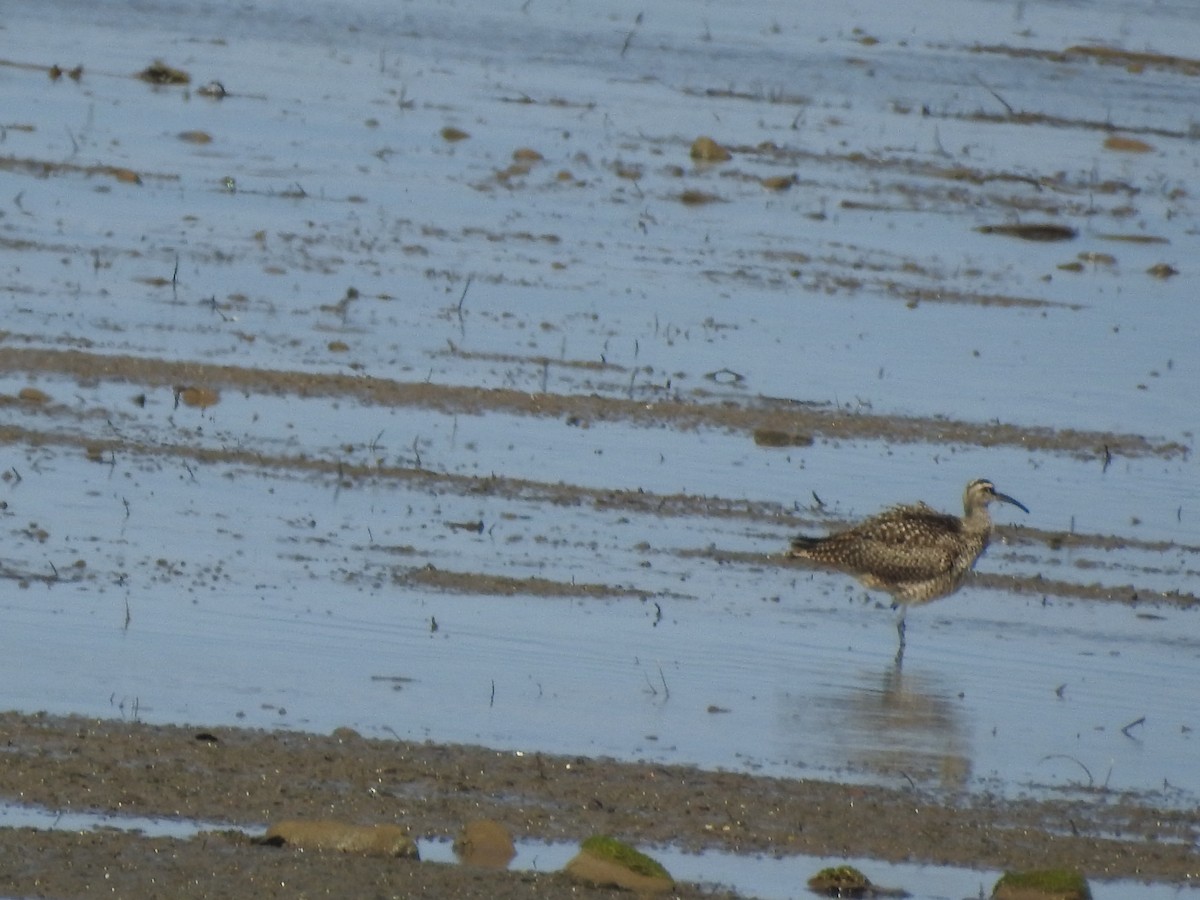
x=1007 y=499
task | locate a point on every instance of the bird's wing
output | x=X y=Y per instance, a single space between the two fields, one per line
x=908 y=525
x=900 y=544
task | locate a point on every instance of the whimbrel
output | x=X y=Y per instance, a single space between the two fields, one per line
x=913 y=552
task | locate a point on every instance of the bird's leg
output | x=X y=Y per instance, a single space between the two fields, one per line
x=900 y=626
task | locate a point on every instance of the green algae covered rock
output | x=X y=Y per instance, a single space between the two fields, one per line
x=606 y=862
x=847 y=881
x=1042 y=884
x=840 y=881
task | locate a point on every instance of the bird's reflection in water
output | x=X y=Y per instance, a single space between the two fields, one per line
x=894 y=725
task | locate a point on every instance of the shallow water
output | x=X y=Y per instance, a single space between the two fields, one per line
x=262 y=560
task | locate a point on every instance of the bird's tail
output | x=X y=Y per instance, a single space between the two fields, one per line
x=801 y=544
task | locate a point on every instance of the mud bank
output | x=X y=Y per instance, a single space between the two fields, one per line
x=248 y=778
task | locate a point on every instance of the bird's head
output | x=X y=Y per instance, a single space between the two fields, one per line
x=981 y=492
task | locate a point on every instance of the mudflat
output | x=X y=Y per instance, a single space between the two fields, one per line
x=250 y=778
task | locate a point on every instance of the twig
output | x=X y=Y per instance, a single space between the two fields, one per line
x=463 y=298
x=1091 y=781
x=1003 y=102
x=1140 y=720
x=629 y=37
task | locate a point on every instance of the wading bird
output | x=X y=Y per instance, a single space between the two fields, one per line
x=913 y=552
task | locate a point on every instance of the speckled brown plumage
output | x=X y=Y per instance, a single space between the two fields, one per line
x=913 y=552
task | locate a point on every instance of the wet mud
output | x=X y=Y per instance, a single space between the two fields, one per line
x=249 y=778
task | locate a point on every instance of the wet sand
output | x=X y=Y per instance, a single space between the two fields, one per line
x=249 y=778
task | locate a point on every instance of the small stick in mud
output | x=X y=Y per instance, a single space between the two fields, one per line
x=1141 y=720
x=1003 y=102
x=463 y=298
x=632 y=31
x=1087 y=771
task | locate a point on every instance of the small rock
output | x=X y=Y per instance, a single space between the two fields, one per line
x=486 y=843
x=158 y=72
x=323 y=834
x=33 y=395
x=778 y=182
x=705 y=149
x=693 y=197
x=196 y=396
x=1123 y=144
x=1162 y=270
